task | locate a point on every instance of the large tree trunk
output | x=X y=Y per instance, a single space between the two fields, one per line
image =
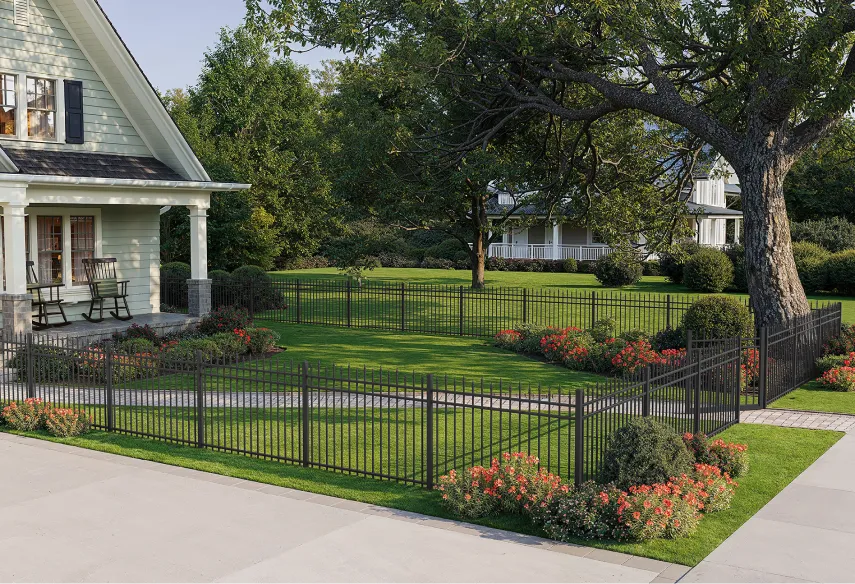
x=478 y=253
x=773 y=282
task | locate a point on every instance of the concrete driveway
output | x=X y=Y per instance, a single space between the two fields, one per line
x=74 y=515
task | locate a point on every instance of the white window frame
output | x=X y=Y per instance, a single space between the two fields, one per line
x=66 y=213
x=22 y=126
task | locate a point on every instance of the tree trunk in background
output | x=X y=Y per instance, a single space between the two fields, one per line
x=478 y=253
x=773 y=282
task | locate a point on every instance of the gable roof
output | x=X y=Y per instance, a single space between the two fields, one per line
x=90 y=164
x=6 y=164
x=108 y=54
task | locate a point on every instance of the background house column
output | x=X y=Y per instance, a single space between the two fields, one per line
x=556 y=240
x=16 y=302
x=199 y=286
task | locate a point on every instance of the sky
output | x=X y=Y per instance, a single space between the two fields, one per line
x=169 y=37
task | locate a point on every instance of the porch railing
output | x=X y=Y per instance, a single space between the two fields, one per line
x=548 y=251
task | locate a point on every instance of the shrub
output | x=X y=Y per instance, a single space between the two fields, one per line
x=178 y=271
x=306 y=263
x=262 y=340
x=729 y=457
x=588 y=511
x=137 y=346
x=634 y=335
x=182 y=354
x=669 y=338
x=617 y=270
x=65 y=423
x=601 y=355
x=708 y=270
x=264 y=295
x=698 y=446
x=842 y=344
x=507 y=339
x=587 y=267
x=651 y=268
x=26 y=416
x=465 y=494
x=833 y=233
x=231 y=345
x=716 y=488
x=395 y=260
x=225 y=319
x=810 y=262
x=603 y=329
x=644 y=452
x=665 y=510
x=433 y=263
x=569 y=344
x=136 y=331
x=829 y=362
x=531 y=335
x=840 y=272
x=636 y=355
x=718 y=317
x=570 y=266
x=839 y=379
x=671 y=263
x=50 y=364
x=736 y=253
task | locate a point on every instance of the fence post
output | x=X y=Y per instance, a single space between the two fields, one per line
x=461 y=312
x=689 y=394
x=696 y=414
x=668 y=311
x=299 y=314
x=525 y=305
x=593 y=308
x=108 y=389
x=645 y=397
x=403 y=306
x=251 y=299
x=579 y=455
x=31 y=366
x=349 y=300
x=305 y=413
x=200 y=399
x=764 y=361
x=429 y=433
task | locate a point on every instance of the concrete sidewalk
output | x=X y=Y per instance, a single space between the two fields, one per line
x=75 y=515
x=805 y=534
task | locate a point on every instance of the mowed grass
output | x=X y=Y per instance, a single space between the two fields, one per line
x=812 y=397
x=778 y=455
x=533 y=280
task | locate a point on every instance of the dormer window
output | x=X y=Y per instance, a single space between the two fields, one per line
x=41 y=108
x=8 y=105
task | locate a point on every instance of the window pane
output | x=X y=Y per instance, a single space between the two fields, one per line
x=41 y=108
x=41 y=124
x=49 y=236
x=82 y=246
x=8 y=102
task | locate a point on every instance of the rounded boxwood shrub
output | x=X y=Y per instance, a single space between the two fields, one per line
x=264 y=294
x=708 y=270
x=840 y=271
x=570 y=266
x=810 y=262
x=736 y=253
x=645 y=452
x=718 y=317
x=671 y=263
x=618 y=269
x=175 y=271
x=175 y=276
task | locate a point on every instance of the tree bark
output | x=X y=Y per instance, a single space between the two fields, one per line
x=774 y=287
x=478 y=253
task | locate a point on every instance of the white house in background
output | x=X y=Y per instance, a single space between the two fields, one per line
x=88 y=158
x=715 y=224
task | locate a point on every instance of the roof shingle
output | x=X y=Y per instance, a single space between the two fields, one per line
x=91 y=165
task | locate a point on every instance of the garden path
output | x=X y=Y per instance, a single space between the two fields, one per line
x=800 y=419
x=73 y=515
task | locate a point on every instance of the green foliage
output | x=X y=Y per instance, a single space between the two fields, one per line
x=708 y=270
x=220 y=277
x=262 y=340
x=644 y=452
x=829 y=362
x=175 y=271
x=257 y=289
x=49 y=364
x=225 y=319
x=584 y=513
x=840 y=272
x=672 y=262
x=810 y=261
x=669 y=338
x=635 y=335
x=833 y=233
x=603 y=329
x=736 y=253
x=571 y=266
x=718 y=317
x=229 y=345
x=842 y=344
x=182 y=355
x=137 y=346
x=617 y=270
x=255 y=119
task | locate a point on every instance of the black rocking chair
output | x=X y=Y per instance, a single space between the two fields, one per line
x=45 y=299
x=104 y=285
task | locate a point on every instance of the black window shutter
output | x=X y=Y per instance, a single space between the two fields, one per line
x=74 y=112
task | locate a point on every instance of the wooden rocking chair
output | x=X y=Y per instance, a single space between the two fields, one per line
x=45 y=300
x=104 y=285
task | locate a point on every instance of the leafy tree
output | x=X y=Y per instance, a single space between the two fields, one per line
x=255 y=119
x=761 y=81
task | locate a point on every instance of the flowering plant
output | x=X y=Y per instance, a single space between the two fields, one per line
x=560 y=346
x=839 y=378
x=262 y=340
x=716 y=488
x=507 y=339
x=674 y=357
x=749 y=368
x=26 y=416
x=667 y=510
x=634 y=356
x=588 y=511
x=465 y=494
x=729 y=457
x=66 y=422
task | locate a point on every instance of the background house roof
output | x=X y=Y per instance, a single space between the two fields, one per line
x=90 y=164
x=710 y=210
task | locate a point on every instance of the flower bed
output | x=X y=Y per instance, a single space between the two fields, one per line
x=34 y=414
x=838 y=362
x=514 y=483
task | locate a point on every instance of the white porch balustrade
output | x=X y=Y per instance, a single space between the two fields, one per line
x=548 y=251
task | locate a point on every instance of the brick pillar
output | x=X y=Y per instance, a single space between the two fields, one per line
x=17 y=314
x=199 y=297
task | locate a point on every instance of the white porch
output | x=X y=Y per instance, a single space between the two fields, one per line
x=548 y=251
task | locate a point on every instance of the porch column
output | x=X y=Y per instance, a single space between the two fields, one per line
x=736 y=228
x=16 y=301
x=556 y=241
x=199 y=286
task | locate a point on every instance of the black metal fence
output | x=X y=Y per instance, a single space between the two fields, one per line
x=402 y=426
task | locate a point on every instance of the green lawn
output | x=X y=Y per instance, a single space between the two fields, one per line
x=813 y=398
x=533 y=280
x=778 y=455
